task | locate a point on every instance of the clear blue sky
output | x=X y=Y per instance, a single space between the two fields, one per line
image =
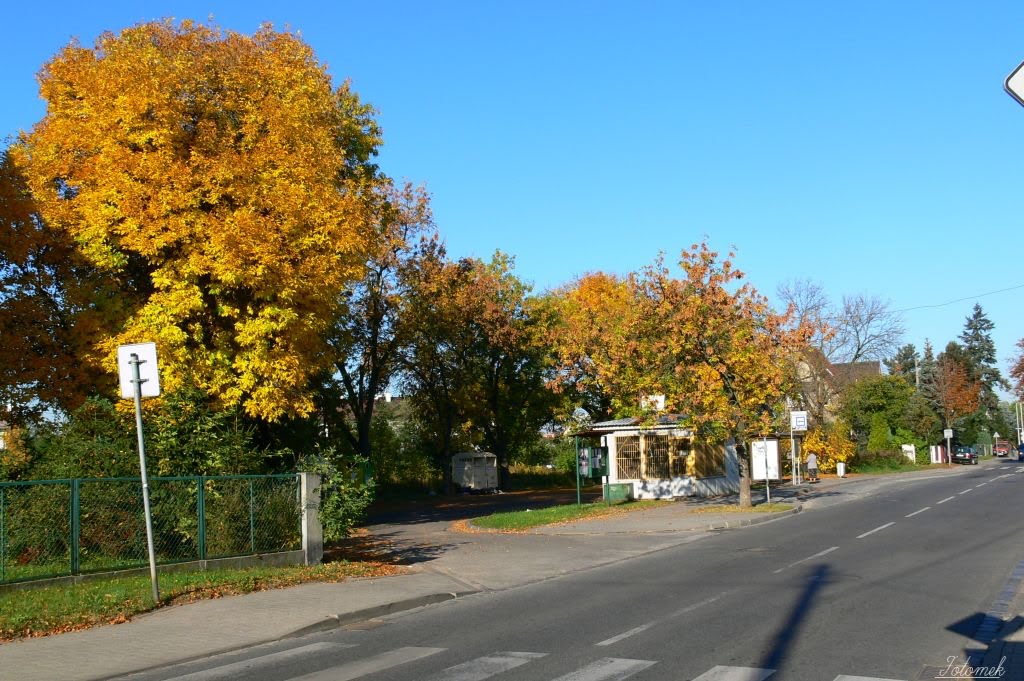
x=868 y=146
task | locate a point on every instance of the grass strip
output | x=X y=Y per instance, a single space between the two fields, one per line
x=56 y=609
x=515 y=521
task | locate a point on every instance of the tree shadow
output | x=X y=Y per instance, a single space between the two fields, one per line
x=391 y=548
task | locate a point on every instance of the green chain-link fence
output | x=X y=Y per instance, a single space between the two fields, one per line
x=54 y=528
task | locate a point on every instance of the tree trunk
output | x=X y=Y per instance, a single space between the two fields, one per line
x=741 y=455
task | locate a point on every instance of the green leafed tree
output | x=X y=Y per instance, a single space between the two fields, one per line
x=475 y=367
x=979 y=357
x=905 y=363
x=370 y=329
x=878 y=399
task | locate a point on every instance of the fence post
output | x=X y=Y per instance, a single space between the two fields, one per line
x=252 y=519
x=201 y=508
x=3 y=539
x=76 y=527
x=312 y=531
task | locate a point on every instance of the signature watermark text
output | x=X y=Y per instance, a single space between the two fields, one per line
x=957 y=669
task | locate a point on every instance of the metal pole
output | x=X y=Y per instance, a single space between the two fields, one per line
x=137 y=381
x=767 y=476
x=579 y=500
x=792 y=457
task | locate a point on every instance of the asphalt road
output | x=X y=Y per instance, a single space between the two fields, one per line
x=890 y=584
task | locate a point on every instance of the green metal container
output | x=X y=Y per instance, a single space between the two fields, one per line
x=618 y=492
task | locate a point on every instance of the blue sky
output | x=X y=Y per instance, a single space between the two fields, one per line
x=867 y=146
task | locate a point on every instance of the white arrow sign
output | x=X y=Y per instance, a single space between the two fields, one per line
x=1014 y=84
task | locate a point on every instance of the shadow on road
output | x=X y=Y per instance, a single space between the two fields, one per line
x=790 y=629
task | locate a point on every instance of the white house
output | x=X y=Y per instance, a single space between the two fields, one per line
x=664 y=460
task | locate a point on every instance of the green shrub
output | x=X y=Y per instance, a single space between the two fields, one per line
x=345 y=490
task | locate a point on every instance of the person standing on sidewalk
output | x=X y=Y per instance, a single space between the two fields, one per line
x=812 y=467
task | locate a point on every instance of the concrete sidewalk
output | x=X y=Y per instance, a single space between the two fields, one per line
x=444 y=564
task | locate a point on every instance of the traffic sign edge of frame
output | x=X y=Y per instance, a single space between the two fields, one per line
x=1019 y=74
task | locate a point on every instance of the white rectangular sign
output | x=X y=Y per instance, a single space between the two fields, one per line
x=798 y=420
x=148 y=371
x=764 y=457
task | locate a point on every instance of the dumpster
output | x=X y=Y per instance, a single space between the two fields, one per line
x=618 y=492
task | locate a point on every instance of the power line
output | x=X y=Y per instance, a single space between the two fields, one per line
x=958 y=300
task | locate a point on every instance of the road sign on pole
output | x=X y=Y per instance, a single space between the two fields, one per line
x=1014 y=84
x=130 y=360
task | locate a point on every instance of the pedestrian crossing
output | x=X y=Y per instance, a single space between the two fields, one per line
x=481 y=668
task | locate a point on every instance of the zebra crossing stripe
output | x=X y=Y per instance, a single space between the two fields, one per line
x=377 y=663
x=237 y=670
x=721 y=673
x=485 y=667
x=607 y=669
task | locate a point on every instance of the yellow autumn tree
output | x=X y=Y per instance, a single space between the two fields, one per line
x=223 y=181
x=591 y=344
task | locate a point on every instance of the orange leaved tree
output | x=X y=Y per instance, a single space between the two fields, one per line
x=707 y=342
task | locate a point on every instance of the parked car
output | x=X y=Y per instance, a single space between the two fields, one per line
x=962 y=454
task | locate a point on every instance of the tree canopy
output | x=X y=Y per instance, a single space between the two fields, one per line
x=221 y=180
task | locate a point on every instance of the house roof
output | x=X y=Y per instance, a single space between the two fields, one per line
x=848 y=373
x=664 y=421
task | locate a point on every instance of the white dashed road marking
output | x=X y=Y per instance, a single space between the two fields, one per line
x=377 y=663
x=877 y=529
x=819 y=554
x=721 y=673
x=608 y=669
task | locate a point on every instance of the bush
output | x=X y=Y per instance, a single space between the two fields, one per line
x=345 y=490
x=880 y=461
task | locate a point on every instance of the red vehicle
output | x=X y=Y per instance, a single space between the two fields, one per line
x=1001 y=448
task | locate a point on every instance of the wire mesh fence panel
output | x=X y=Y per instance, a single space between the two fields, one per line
x=277 y=515
x=246 y=515
x=61 y=527
x=35 y=530
x=175 y=507
x=112 y=531
x=112 y=527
